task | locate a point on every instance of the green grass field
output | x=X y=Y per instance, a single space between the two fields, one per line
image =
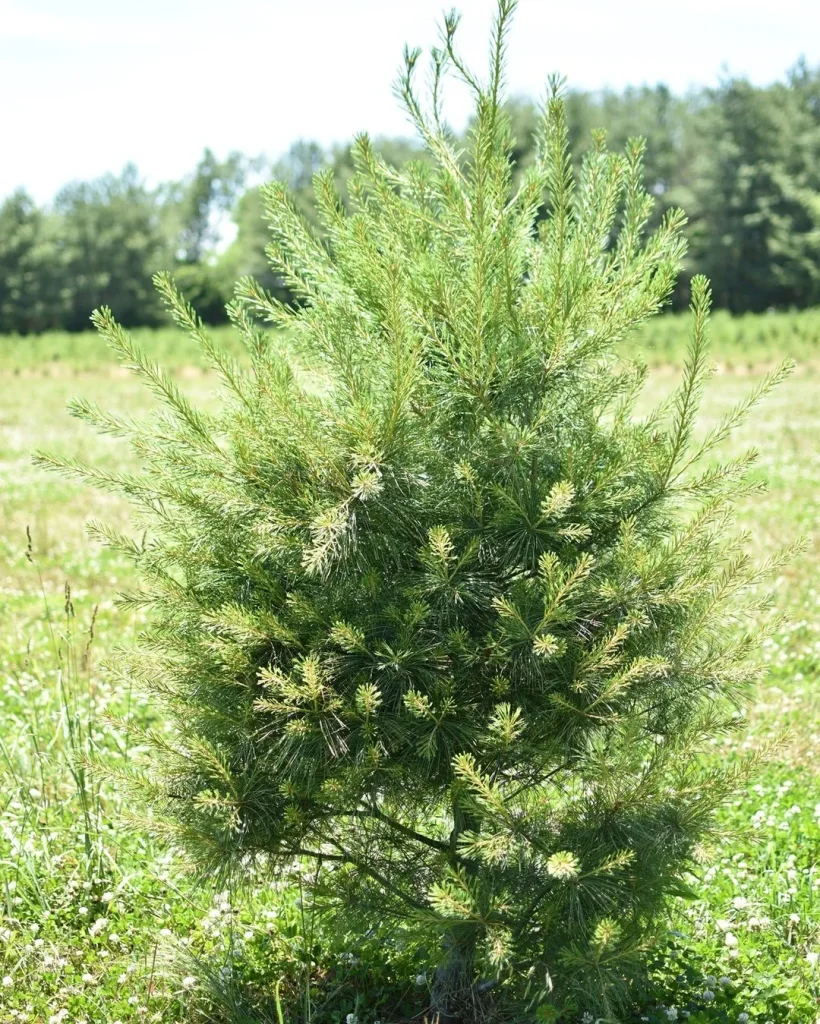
x=99 y=924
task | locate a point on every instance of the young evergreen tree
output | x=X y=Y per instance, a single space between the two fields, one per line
x=431 y=606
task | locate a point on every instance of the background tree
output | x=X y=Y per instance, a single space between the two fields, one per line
x=741 y=159
x=26 y=301
x=109 y=241
x=246 y=254
x=193 y=207
x=756 y=194
x=195 y=211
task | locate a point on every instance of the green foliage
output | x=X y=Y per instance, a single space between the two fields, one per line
x=100 y=242
x=741 y=159
x=756 y=194
x=738 y=342
x=109 y=238
x=192 y=205
x=757 y=896
x=43 y=867
x=24 y=293
x=433 y=609
x=750 y=341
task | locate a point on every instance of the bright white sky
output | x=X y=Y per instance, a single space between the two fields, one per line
x=87 y=85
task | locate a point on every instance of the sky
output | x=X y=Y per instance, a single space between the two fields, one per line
x=88 y=85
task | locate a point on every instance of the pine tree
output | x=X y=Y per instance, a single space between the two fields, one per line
x=432 y=607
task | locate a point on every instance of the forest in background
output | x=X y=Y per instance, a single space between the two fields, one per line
x=742 y=160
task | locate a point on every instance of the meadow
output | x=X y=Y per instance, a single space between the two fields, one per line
x=99 y=924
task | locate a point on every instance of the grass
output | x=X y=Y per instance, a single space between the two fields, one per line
x=61 y=352
x=100 y=924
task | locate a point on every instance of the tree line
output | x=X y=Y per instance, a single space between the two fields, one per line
x=742 y=160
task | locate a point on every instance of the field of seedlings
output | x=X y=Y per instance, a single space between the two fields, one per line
x=741 y=343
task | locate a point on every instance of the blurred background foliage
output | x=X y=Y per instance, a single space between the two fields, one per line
x=742 y=160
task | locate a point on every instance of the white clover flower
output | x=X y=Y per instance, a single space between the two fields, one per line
x=587 y=1018
x=812 y=957
x=8 y=981
x=730 y=940
x=724 y=981
x=421 y=979
x=351 y=1018
x=671 y=1013
x=794 y=919
x=743 y=1018
x=88 y=979
x=188 y=983
x=708 y=996
x=710 y=980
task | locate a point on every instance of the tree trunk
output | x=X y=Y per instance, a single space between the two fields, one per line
x=453 y=984
x=453 y=993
